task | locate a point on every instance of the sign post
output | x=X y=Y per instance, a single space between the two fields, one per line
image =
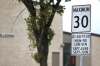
x=81 y=60
x=80 y=28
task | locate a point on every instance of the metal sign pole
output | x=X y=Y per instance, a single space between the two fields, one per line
x=81 y=60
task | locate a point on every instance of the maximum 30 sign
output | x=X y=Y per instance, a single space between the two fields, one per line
x=81 y=18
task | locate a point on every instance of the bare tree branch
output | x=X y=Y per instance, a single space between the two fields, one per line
x=29 y=5
x=54 y=11
x=57 y=4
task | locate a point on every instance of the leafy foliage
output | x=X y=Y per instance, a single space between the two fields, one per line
x=33 y=25
x=37 y=57
x=39 y=21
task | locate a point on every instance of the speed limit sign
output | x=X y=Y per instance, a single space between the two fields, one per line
x=81 y=18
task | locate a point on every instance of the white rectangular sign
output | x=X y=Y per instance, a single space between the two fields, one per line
x=80 y=44
x=81 y=18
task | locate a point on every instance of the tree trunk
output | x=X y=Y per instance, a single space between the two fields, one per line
x=43 y=62
x=43 y=49
x=44 y=53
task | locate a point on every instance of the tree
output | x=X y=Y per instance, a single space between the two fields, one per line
x=39 y=21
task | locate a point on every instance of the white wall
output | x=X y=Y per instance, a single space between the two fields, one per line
x=57 y=39
x=95 y=51
x=14 y=51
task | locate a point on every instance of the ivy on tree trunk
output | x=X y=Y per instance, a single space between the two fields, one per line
x=39 y=21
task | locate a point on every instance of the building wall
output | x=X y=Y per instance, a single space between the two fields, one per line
x=57 y=41
x=14 y=42
x=95 y=49
x=94 y=58
x=14 y=50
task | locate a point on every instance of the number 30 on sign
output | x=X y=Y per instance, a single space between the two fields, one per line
x=81 y=18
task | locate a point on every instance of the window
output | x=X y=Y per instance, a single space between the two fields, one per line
x=68 y=60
